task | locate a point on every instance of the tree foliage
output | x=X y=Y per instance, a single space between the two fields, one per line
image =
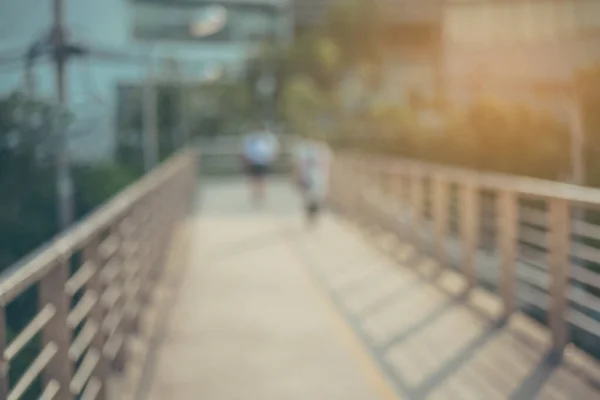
x=28 y=203
x=589 y=91
x=325 y=65
x=27 y=212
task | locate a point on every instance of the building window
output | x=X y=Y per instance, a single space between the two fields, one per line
x=526 y=25
x=567 y=18
x=502 y=23
x=454 y=26
x=588 y=15
x=498 y=23
x=209 y=22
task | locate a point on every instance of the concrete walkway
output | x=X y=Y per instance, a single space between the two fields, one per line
x=267 y=310
x=248 y=323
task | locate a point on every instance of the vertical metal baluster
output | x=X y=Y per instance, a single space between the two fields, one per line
x=416 y=208
x=559 y=241
x=4 y=366
x=135 y=259
x=441 y=208
x=57 y=332
x=131 y=272
x=508 y=223
x=90 y=254
x=120 y=357
x=469 y=224
x=144 y=232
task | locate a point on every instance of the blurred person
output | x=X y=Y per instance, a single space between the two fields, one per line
x=260 y=150
x=311 y=172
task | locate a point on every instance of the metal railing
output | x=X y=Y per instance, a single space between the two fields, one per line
x=92 y=283
x=519 y=236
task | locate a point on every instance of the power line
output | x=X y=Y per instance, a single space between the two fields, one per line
x=40 y=39
x=88 y=82
x=10 y=58
x=121 y=56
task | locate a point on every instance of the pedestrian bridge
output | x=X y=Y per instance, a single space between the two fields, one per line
x=420 y=285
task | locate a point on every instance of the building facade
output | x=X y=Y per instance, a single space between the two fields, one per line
x=412 y=47
x=526 y=48
x=203 y=36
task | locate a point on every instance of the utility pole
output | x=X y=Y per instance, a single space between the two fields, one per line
x=149 y=126
x=30 y=83
x=63 y=173
x=182 y=133
x=184 y=92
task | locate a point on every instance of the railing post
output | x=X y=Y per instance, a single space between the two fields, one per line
x=347 y=195
x=136 y=278
x=90 y=254
x=559 y=240
x=362 y=177
x=404 y=194
x=382 y=177
x=153 y=238
x=57 y=333
x=119 y=358
x=469 y=224
x=333 y=182
x=4 y=368
x=336 y=194
x=441 y=211
x=393 y=190
x=130 y=273
x=416 y=205
x=396 y=189
x=508 y=224
x=353 y=193
x=144 y=254
x=163 y=231
x=382 y=167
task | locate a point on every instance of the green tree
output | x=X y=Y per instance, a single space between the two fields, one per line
x=28 y=202
x=588 y=86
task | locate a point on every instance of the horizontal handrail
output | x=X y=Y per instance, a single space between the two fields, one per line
x=26 y=272
x=104 y=293
x=533 y=231
x=487 y=180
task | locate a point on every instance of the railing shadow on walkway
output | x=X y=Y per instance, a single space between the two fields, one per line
x=93 y=284
x=414 y=354
x=450 y=342
x=249 y=244
x=528 y=388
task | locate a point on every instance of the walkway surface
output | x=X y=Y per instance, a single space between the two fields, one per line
x=268 y=310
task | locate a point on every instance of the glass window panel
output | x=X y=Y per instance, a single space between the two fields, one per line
x=460 y=24
x=504 y=27
x=527 y=26
x=479 y=23
x=452 y=25
x=589 y=14
x=565 y=16
x=243 y=23
x=544 y=22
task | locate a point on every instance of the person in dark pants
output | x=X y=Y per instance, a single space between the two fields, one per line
x=312 y=163
x=259 y=152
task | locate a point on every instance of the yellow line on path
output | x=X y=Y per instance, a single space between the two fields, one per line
x=371 y=369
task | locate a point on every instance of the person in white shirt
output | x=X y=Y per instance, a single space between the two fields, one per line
x=311 y=169
x=260 y=150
